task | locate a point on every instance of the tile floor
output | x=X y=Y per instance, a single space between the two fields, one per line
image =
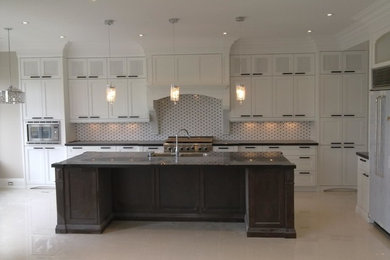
x=326 y=223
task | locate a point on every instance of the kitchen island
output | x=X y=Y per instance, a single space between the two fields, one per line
x=95 y=188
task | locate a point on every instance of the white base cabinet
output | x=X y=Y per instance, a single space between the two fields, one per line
x=38 y=164
x=363 y=187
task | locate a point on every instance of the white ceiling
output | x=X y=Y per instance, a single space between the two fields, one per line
x=200 y=20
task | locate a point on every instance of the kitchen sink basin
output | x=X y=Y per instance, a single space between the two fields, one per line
x=189 y=154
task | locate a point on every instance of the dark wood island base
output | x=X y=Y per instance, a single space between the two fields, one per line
x=257 y=188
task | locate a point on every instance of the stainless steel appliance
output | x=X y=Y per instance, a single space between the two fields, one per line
x=379 y=150
x=201 y=144
x=43 y=132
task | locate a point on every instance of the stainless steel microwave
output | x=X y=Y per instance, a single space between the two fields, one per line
x=43 y=132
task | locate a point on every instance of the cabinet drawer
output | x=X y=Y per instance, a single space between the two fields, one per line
x=224 y=148
x=304 y=162
x=129 y=149
x=304 y=178
x=250 y=148
x=157 y=149
x=291 y=150
x=363 y=164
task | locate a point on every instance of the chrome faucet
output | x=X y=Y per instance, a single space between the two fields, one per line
x=177 y=142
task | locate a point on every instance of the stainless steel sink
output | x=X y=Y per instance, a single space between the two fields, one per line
x=189 y=154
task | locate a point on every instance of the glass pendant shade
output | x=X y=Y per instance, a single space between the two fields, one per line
x=110 y=93
x=175 y=93
x=240 y=92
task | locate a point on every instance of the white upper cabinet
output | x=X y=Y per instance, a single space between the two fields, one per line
x=35 y=68
x=343 y=62
x=34 y=98
x=240 y=65
x=262 y=93
x=355 y=93
x=98 y=102
x=354 y=131
x=262 y=65
x=163 y=69
x=304 y=64
x=117 y=68
x=331 y=131
x=93 y=68
x=136 y=67
x=331 y=95
x=211 y=69
x=283 y=97
x=283 y=64
x=188 y=69
x=120 y=108
x=304 y=96
x=78 y=99
x=241 y=109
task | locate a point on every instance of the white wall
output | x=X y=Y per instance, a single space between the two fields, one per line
x=11 y=153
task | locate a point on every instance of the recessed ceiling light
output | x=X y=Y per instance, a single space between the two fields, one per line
x=140 y=35
x=224 y=33
x=308 y=31
x=329 y=14
x=25 y=22
x=62 y=37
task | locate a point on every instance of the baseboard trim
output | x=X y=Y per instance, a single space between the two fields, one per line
x=17 y=183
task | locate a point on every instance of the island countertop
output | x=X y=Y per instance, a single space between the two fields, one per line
x=118 y=159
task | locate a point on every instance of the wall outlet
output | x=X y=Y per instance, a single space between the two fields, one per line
x=10 y=183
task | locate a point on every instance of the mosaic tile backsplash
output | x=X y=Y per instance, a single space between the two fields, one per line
x=200 y=115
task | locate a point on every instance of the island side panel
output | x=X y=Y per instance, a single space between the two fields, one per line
x=104 y=196
x=268 y=213
x=60 y=197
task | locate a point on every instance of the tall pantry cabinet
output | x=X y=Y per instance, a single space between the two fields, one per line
x=343 y=115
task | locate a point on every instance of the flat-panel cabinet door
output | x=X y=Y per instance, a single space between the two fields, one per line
x=54 y=98
x=78 y=99
x=241 y=109
x=350 y=165
x=355 y=62
x=120 y=108
x=331 y=62
x=187 y=69
x=355 y=131
x=331 y=95
x=77 y=68
x=262 y=65
x=54 y=155
x=136 y=67
x=240 y=65
x=331 y=131
x=30 y=68
x=138 y=99
x=304 y=96
x=117 y=68
x=34 y=98
x=163 y=69
x=99 y=105
x=97 y=68
x=262 y=97
x=355 y=93
x=51 y=68
x=330 y=165
x=304 y=64
x=283 y=97
x=211 y=69
x=36 y=165
x=283 y=64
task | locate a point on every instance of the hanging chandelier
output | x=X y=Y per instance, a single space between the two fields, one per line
x=175 y=90
x=240 y=87
x=111 y=90
x=11 y=95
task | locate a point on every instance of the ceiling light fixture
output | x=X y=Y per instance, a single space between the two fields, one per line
x=25 y=22
x=329 y=14
x=11 y=95
x=308 y=31
x=175 y=90
x=111 y=90
x=224 y=33
x=140 y=35
x=240 y=87
x=62 y=37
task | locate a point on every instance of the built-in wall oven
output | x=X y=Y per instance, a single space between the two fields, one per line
x=43 y=132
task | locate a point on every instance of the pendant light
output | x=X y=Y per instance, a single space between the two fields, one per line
x=175 y=90
x=240 y=87
x=111 y=90
x=11 y=95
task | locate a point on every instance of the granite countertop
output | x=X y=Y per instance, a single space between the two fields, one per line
x=266 y=142
x=121 y=159
x=363 y=154
x=216 y=142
